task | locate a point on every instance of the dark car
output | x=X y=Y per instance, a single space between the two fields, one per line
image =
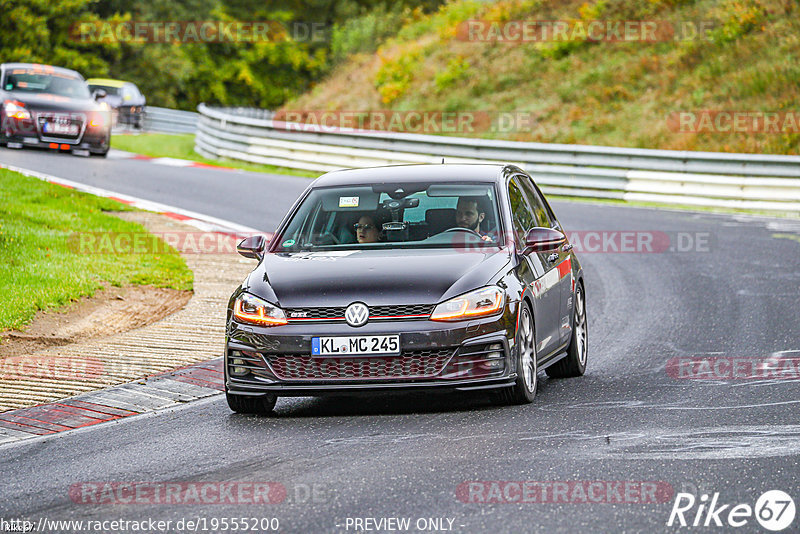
x=467 y=282
x=125 y=99
x=51 y=107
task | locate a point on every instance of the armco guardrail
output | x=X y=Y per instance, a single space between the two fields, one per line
x=751 y=181
x=170 y=120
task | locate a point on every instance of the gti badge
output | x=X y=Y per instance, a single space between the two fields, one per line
x=356 y=314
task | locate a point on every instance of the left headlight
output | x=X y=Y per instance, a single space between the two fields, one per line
x=16 y=110
x=253 y=310
x=478 y=303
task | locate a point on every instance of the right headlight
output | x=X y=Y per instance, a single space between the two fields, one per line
x=253 y=310
x=478 y=303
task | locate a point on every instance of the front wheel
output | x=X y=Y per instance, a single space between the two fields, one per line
x=251 y=405
x=575 y=362
x=524 y=389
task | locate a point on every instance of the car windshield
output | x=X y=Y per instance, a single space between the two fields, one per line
x=395 y=215
x=107 y=88
x=38 y=81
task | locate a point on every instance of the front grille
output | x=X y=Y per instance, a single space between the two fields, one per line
x=410 y=365
x=336 y=313
x=395 y=311
x=294 y=314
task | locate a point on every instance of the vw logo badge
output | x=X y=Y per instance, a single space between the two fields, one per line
x=356 y=314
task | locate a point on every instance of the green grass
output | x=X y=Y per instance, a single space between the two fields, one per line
x=181 y=146
x=40 y=267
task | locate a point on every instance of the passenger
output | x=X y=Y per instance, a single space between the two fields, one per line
x=367 y=230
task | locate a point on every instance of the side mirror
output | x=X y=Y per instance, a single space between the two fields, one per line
x=252 y=247
x=541 y=239
x=99 y=93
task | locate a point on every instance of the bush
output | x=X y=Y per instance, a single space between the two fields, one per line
x=457 y=69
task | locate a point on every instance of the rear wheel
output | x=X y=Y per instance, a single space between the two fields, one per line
x=251 y=405
x=575 y=362
x=524 y=389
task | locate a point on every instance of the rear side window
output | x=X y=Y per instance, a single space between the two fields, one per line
x=520 y=212
x=540 y=212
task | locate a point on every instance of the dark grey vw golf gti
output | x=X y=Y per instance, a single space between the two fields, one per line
x=408 y=277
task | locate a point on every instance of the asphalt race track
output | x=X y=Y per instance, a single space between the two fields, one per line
x=727 y=293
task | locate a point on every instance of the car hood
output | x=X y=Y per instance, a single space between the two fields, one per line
x=375 y=277
x=48 y=102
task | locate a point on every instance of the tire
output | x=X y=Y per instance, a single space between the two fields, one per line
x=251 y=405
x=524 y=389
x=575 y=362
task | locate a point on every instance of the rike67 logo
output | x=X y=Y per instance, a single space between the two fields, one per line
x=774 y=510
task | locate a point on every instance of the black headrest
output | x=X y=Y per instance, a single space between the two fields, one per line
x=440 y=219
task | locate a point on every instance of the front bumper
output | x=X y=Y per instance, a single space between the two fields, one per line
x=95 y=145
x=467 y=355
x=24 y=133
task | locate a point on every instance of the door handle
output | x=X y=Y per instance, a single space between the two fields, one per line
x=567 y=247
x=552 y=257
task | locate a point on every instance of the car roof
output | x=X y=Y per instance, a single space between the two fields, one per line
x=60 y=70
x=446 y=172
x=108 y=82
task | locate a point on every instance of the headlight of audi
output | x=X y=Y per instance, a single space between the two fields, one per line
x=16 y=110
x=478 y=303
x=253 y=310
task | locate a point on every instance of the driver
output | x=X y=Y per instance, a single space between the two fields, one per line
x=470 y=213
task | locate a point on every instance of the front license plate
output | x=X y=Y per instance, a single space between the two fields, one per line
x=60 y=129
x=355 y=345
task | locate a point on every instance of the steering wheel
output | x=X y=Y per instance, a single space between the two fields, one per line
x=461 y=229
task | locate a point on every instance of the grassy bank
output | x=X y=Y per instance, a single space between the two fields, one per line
x=181 y=146
x=40 y=267
x=744 y=57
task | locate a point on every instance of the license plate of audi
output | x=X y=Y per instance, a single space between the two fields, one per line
x=355 y=346
x=62 y=129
